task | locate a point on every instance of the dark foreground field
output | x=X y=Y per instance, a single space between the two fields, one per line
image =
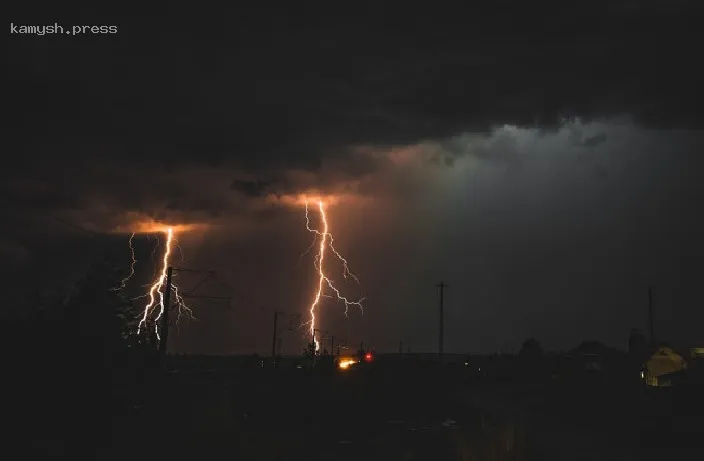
x=387 y=412
x=345 y=415
x=418 y=412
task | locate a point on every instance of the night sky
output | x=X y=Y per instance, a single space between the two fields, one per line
x=545 y=163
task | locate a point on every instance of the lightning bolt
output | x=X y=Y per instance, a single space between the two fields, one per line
x=158 y=286
x=123 y=282
x=326 y=241
x=156 y=247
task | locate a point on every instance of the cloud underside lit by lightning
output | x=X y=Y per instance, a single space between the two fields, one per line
x=158 y=286
x=326 y=242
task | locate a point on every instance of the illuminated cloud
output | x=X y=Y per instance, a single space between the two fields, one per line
x=434 y=134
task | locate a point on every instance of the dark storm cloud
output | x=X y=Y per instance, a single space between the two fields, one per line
x=577 y=138
x=13 y=252
x=595 y=140
x=250 y=188
x=264 y=91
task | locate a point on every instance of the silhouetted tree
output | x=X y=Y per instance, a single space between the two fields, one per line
x=95 y=326
x=67 y=347
x=590 y=347
x=101 y=318
x=531 y=348
x=310 y=351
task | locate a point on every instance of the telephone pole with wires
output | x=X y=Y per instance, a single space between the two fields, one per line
x=441 y=328
x=165 y=323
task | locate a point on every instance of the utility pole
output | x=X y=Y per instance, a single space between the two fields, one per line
x=165 y=314
x=650 y=314
x=273 y=339
x=441 y=329
x=342 y=344
x=332 y=345
x=163 y=344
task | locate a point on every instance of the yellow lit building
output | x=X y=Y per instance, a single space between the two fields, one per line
x=663 y=362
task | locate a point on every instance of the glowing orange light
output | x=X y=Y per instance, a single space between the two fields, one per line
x=139 y=225
x=296 y=200
x=346 y=363
x=326 y=241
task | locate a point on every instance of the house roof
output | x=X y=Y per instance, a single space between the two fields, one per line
x=665 y=360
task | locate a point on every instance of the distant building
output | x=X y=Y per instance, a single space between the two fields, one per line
x=661 y=365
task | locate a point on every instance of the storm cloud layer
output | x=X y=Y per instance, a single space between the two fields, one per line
x=263 y=91
x=486 y=132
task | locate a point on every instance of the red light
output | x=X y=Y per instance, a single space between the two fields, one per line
x=368 y=356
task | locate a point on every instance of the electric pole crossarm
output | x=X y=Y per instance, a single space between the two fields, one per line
x=208 y=274
x=194 y=271
x=222 y=298
x=211 y=298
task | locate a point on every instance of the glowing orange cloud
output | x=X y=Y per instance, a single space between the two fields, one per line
x=302 y=199
x=154 y=227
